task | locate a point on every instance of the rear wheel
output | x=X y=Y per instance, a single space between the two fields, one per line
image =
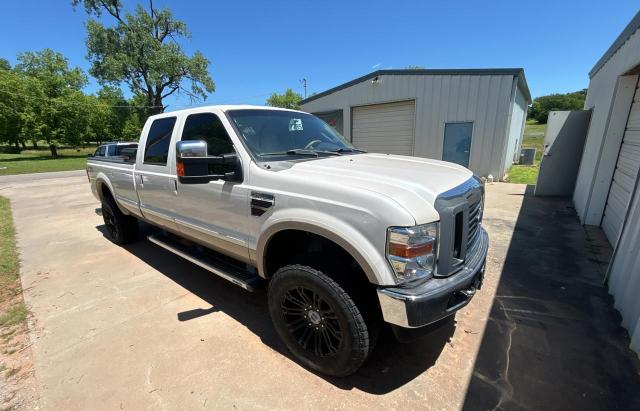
x=122 y=228
x=318 y=320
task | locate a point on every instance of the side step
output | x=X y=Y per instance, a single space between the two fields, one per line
x=242 y=278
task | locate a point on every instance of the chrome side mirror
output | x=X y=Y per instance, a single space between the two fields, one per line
x=195 y=166
x=191 y=148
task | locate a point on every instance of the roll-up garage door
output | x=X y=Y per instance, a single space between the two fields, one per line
x=625 y=174
x=384 y=128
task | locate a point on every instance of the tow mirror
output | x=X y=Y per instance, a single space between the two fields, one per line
x=195 y=166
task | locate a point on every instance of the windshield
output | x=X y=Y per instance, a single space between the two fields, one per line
x=273 y=133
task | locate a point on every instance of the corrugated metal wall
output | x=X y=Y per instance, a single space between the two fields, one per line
x=609 y=96
x=483 y=99
x=624 y=273
x=516 y=128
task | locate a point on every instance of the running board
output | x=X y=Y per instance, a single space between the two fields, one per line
x=229 y=272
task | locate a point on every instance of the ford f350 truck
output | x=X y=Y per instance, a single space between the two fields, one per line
x=344 y=240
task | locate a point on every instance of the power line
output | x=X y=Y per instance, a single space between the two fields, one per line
x=49 y=99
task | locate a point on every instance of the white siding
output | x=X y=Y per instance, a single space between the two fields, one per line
x=384 y=128
x=609 y=96
x=624 y=274
x=516 y=128
x=624 y=177
x=482 y=99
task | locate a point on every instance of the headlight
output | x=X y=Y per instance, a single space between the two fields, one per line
x=412 y=251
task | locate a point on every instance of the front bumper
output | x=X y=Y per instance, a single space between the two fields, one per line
x=437 y=298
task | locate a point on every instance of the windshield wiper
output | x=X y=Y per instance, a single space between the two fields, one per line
x=293 y=152
x=348 y=150
x=303 y=152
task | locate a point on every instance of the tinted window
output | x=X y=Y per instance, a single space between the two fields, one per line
x=209 y=128
x=100 y=151
x=121 y=147
x=158 y=141
x=111 y=150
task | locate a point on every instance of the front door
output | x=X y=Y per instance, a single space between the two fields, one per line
x=457 y=143
x=215 y=213
x=155 y=181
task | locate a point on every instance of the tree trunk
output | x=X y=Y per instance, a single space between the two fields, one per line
x=15 y=143
x=24 y=145
x=54 y=150
x=35 y=144
x=156 y=102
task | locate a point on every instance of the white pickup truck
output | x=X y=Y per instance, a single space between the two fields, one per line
x=345 y=240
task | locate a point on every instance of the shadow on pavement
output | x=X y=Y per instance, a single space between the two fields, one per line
x=553 y=340
x=390 y=366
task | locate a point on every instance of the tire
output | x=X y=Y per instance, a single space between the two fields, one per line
x=121 y=228
x=318 y=321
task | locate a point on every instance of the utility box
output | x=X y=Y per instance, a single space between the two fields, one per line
x=528 y=156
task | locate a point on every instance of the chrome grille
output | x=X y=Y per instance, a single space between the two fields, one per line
x=475 y=215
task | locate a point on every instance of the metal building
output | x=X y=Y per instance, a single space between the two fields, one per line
x=473 y=117
x=606 y=192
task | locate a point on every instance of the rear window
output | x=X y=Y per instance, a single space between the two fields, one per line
x=120 y=147
x=156 y=150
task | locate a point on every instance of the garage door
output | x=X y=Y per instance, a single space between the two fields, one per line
x=625 y=174
x=384 y=128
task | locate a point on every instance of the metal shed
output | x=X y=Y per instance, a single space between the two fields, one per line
x=606 y=192
x=474 y=117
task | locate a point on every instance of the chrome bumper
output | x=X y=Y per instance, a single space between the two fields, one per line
x=437 y=297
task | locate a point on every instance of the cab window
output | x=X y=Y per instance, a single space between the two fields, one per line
x=208 y=127
x=156 y=149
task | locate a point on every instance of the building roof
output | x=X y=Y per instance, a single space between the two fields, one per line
x=628 y=31
x=518 y=72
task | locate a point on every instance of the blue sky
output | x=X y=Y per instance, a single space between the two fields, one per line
x=258 y=47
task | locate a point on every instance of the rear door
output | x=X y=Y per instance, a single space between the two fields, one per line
x=215 y=213
x=155 y=179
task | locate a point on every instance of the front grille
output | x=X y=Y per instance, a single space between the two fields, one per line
x=460 y=212
x=475 y=214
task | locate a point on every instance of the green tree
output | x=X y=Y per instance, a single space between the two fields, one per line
x=14 y=95
x=289 y=99
x=541 y=106
x=115 y=112
x=4 y=64
x=57 y=112
x=141 y=51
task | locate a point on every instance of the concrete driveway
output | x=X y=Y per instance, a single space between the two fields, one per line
x=137 y=327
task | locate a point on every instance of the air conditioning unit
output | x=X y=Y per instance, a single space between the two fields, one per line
x=527 y=156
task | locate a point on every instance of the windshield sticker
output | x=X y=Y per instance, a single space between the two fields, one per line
x=295 y=124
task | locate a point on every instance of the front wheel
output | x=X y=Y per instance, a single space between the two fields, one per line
x=318 y=321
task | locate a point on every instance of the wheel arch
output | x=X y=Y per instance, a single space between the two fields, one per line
x=104 y=186
x=363 y=255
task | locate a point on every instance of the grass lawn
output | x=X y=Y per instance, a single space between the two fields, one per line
x=533 y=137
x=12 y=310
x=39 y=161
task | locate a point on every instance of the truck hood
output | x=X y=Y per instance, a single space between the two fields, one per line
x=413 y=182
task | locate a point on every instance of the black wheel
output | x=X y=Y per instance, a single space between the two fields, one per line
x=318 y=321
x=122 y=228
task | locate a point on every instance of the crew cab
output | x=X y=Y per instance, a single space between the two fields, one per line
x=343 y=240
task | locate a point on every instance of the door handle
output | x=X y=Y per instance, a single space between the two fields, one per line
x=175 y=187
